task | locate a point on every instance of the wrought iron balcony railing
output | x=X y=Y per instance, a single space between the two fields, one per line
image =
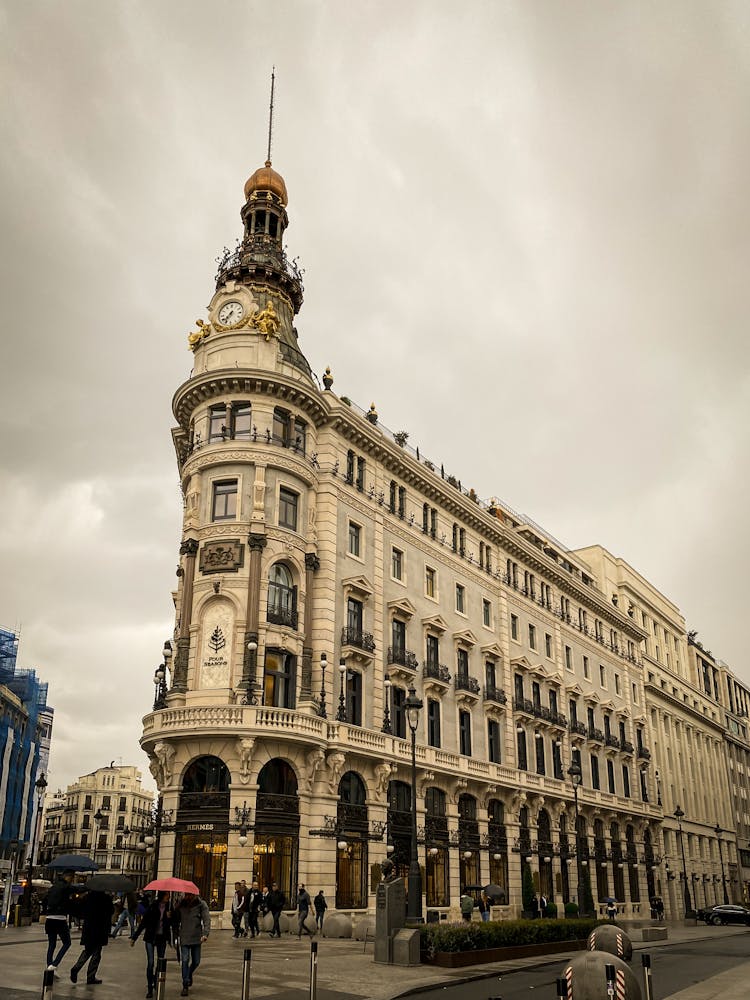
x=404 y=657
x=496 y=694
x=612 y=741
x=626 y=746
x=523 y=705
x=644 y=753
x=282 y=616
x=579 y=728
x=465 y=683
x=436 y=671
x=354 y=637
x=595 y=735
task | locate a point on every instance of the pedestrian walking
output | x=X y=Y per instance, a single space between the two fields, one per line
x=611 y=911
x=96 y=909
x=466 y=903
x=156 y=927
x=320 y=905
x=238 y=909
x=275 y=902
x=126 y=915
x=252 y=909
x=56 y=921
x=542 y=906
x=192 y=926
x=484 y=907
x=303 y=909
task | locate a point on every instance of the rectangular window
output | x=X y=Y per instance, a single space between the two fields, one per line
x=279 y=675
x=224 y=506
x=536 y=695
x=464 y=730
x=611 y=777
x=594 y=771
x=514 y=627
x=354 y=698
x=568 y=658
x=486 y=613
x=398 y=637
x=602 y=675
x=402 y=502
x=241 y=421
x=355 y=536
x=433 y=721
x=540 y=762
x=586 y=671
x=288 y=502
x=430 y=582
x=493 y=742
x=523 y=762
x=518 y=691
x=617 y=684
x=460 y=598
x=354 y=618
x=433 y=651
x=532 y=636
x=548 y=645
x=397 y=564
x=462 y=663
x=625 y=781
x=398 y=713
x=217 y=430
x=360 y=473
x=573 y=711
x=557 y=767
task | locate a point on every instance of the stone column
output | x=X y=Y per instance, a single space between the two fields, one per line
x=312 y=564
x=188 y=549
x=249 y=683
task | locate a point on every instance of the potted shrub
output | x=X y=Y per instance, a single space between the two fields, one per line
x=552 y=910
x=571 y=910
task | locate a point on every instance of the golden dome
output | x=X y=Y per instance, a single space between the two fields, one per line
x=267 y=179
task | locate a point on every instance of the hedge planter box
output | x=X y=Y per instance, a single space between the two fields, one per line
x=460 y=959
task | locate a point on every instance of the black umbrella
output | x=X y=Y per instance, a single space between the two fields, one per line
x=609 y=899
x=495 y=891
x=74 y=862
x=110 y=882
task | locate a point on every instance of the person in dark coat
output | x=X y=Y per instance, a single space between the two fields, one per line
x=275 y=903
x=97 y=909
x=252 y=908
x=321 y=906
x=192 y=926
x=156 y=927
x=56 y=923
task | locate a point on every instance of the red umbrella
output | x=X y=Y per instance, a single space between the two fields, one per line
x=173 y=885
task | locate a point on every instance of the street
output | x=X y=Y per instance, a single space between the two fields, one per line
x=673 y=968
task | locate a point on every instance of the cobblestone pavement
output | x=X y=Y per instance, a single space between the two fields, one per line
x=280 y=969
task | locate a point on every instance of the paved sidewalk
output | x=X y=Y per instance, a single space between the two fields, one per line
x=280 y=969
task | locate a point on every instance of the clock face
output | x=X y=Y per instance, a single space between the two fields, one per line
x=231 y=313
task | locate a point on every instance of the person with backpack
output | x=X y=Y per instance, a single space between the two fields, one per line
x=56 y=922
x=467 y=906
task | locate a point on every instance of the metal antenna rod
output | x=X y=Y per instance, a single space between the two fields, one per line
x=270 y=113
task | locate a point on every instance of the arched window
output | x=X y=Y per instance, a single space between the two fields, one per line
x=437 y=849
x=206 y=776
x=282 y=597
x=498 y=844
x=204 y=798
x=352 y=789
x=276 y=845
x=434 y=801
x=277 y=778
x=351 y=844
x=399 y=825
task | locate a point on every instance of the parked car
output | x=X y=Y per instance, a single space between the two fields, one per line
x=727 y=913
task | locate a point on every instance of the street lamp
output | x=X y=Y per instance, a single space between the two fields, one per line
x=678 y=814
x=160 y=678
x=576 y=777
x=412 y=708
x=323 y=665
x=341 y=714
x=386 y=706
x=40 y=786
x=718 y=831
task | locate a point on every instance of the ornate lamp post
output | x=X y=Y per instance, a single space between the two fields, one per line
x=387 y=706
x=242 y=816
x=718 y=831
x=576 y=778
x=323 y=665
x=412 y=708
x=341 y=714
x=40 y=786
x=678 y=814
x=160 y=678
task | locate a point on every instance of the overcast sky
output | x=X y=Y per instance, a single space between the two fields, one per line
x=525 y=232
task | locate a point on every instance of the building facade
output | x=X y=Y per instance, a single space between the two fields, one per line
x=325 y=569
x=106 y=815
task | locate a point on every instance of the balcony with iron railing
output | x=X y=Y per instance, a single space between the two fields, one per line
x=463 y=682
x=578 y=728
x=282 y=616
x=612 y=741
x=436 y=672
x=644 y=753
x=595 y=735
x=402 y=657
x=495 y=694
x=626 y=746
x=524 y=705
x=359 y=639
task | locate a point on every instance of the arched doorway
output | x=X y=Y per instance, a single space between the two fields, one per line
x=544 y=834
x=436 y=843
x=632 y=861
x=498 y=840
x=648 y=855
x=276 y=848
x=600 y=856
x=202 y=828
x=351 y=846
x=468 y=842
x=399 y=826
x=618 y=863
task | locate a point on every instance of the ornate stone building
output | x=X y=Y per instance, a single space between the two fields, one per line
x=325 y=568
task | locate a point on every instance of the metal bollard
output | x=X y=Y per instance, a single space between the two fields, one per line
x=47 y=983
x=246 y=960
x=313 y=970
x=609 y=972
x=161 y=978
x=562 y=988
x=648 y=987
